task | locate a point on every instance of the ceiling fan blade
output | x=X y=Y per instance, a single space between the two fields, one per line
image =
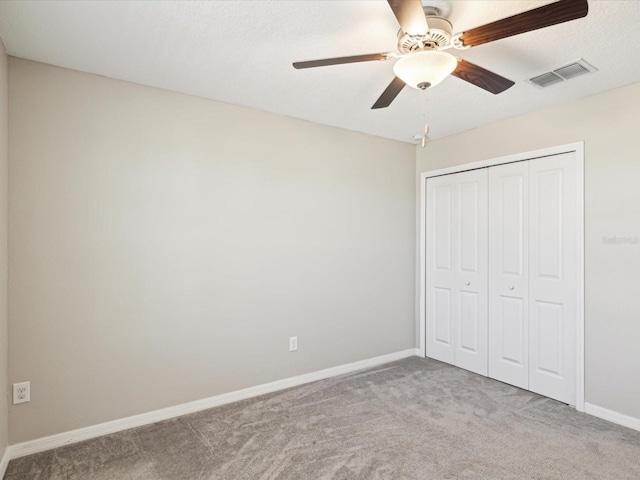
x=545 y=16
x=481 y=77
x=410 y=16
x=389 y=94
x=340 y=60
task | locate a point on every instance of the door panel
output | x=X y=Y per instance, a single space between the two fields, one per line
x=549 y=195
x=443 y=198
x=508 y=274
x=512 y=218
x=549 y=338
x=443 y=323
x=469 y=234
x=553 y=280
x=512 y=333
x=470 y=271
x=456 y=268
x=439 y=268
x=469 y=322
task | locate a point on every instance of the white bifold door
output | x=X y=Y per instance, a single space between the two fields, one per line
x=502 y=272
x=553 y=274
x=456 y=263
x=509 y=273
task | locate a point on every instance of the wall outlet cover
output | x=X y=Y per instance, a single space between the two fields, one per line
x=21 y=392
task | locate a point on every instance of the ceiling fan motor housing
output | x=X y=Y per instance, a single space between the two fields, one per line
x=438 y=37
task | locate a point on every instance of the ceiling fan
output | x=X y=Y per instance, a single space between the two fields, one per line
x=424 y=36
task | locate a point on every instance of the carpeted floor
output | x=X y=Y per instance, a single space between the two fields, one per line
x=411 y=419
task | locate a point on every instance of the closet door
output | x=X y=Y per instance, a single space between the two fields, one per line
x=456 y=269
x=440 y=281
x=553 y=276
x=470 y=271
x=508 y=274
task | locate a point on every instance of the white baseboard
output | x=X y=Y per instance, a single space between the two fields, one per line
x=53 y=441
x=4 y=463
x=610 y=415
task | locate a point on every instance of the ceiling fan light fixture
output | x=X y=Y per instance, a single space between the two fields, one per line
x=426 y=67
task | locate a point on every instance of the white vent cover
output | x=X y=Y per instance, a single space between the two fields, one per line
x=572 y=70
x=546 y=79
x=567 y=72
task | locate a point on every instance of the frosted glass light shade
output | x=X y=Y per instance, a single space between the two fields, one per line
x=427 y=66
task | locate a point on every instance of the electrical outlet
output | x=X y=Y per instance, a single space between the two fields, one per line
x=293 y=344
x=21 y=392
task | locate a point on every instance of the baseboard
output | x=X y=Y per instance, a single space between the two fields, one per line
x=46 y=443
x=610 y=415
x=4 y=463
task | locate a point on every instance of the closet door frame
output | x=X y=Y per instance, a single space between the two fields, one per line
x=578 y=149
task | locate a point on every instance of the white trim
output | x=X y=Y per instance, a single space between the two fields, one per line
x=4 y=463
x=422 y=335
x=580 y=405
x=73 y=436
x=611 y=416
x=578 y=148
x=517 y=157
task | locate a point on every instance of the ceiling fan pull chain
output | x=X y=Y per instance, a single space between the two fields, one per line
x=426 y=124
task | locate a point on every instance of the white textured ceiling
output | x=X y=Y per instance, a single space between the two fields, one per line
x=241 y=52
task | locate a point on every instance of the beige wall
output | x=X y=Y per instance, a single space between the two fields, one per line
x=164 y=247
x=4 y=116
x=609 y=124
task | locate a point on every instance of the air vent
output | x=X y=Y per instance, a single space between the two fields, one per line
x=571 y=70
x=567 y=72
x=546 y=79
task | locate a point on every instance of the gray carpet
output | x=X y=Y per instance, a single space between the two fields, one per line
x=411 y=419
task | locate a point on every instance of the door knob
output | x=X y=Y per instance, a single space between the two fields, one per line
x=511 y=287
x=467 y=283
